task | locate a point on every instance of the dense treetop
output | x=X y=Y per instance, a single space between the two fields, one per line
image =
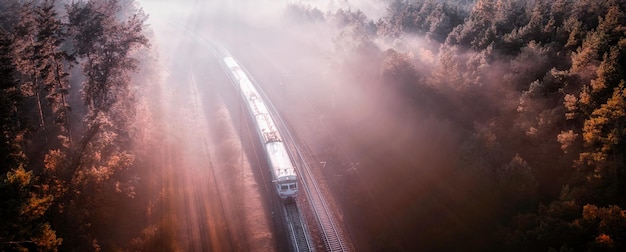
x=536 y=89
x=532 y=91
x=65 y=162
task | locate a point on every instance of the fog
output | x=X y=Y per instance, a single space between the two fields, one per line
x=425 y=114
x=434 y=125
x=327 y=81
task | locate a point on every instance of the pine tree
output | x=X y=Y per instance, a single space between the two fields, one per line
x=10 y=98
x=27 y=58
x=53 y=75
x=105 y=43
x=88 y=179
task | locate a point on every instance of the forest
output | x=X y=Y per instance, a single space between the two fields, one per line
x=522 y=104
x=530 y=96
x=72 y=172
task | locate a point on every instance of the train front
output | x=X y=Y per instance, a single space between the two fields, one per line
x=283 y=170
x=287 y=188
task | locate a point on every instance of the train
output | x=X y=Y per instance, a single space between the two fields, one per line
x=281 y=165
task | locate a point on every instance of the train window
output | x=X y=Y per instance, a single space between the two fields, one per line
x=284 y=187
x=292 y=186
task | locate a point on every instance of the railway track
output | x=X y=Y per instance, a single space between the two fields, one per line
x=298 y=231
x=298 y=234
x=330 y=233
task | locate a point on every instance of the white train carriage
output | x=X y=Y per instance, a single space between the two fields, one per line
x=282 y=168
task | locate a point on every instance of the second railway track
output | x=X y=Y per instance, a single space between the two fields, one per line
x=329 y=232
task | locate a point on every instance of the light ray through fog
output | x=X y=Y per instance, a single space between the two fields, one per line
x=206 y=156
x=428 y=94
x=431 y=125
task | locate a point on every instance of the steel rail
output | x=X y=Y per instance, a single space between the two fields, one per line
x=299 y=236
x=323 y=216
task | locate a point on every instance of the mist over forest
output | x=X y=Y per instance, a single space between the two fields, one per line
x=490 y=125
x=478 y=125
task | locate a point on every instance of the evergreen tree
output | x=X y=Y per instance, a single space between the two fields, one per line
x=53 y=75
x=27 y=58
x=10 y=99
x=89 y=179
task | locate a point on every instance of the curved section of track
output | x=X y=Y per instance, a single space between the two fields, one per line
x=300 y=241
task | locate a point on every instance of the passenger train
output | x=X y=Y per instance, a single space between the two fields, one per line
x=282 y=168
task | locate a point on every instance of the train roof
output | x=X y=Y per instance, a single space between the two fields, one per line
x=230 y=62
x=263 y=119
x=247 y=88
x=282 y=168
x=267 y=128
x=235 y=68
